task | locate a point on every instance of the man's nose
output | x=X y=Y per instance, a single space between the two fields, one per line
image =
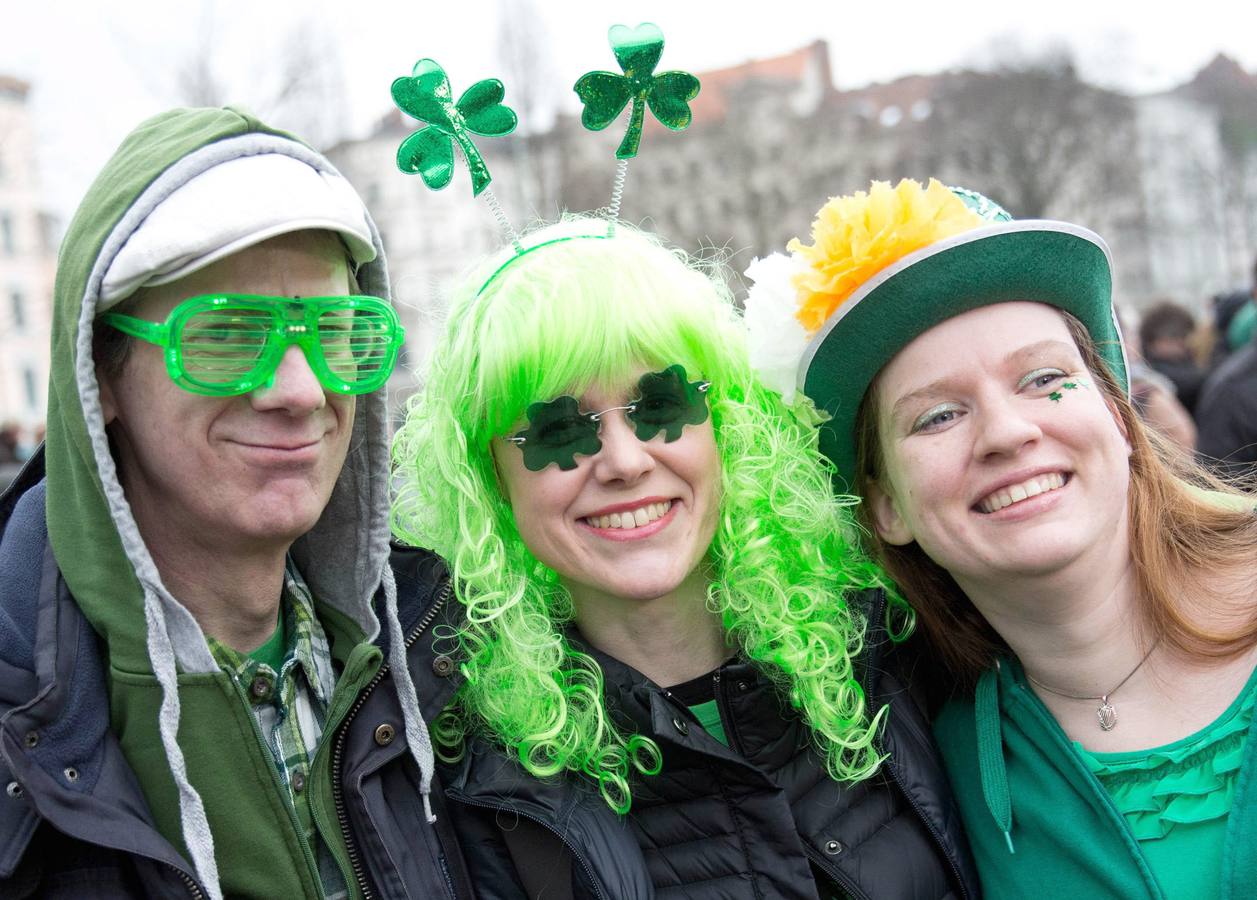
x=293 y=387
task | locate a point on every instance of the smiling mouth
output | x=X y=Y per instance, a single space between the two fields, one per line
x=287 y=446
x=1015 y=493
x=631 y=518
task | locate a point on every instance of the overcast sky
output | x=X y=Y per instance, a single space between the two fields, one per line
x=97 y=68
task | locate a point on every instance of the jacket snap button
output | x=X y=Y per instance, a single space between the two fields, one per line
x=71 y=774
x=744 y=686
x=261 y=687
x=32 y=739
x=298 y=781
x=681 y=725
x=833 y=848
x=384 y=734
x=443 y=666
x=14 y=789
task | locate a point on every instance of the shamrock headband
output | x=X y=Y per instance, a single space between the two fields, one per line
x=426 y=95
x=889 y=264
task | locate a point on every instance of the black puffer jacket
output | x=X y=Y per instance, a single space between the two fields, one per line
x=759 y=819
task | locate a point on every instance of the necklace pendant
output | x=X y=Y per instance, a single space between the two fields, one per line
x=1107 y=714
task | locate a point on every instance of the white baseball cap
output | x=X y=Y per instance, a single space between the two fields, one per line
x=235 y=205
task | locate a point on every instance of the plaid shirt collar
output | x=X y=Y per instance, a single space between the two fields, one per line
x=305 y=647
x=289 y=707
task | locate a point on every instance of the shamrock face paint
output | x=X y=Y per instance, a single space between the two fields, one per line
x=557 y=430
x=1055 y=396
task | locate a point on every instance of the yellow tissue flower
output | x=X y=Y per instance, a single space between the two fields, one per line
x=855 y=237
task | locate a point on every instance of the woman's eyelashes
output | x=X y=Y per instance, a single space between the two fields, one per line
x=1041 y=379
x=936 y=418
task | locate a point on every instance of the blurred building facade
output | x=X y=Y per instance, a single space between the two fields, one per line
x=430 y=236
x=27 y=265
x=1170 y=180
x=1197 y=152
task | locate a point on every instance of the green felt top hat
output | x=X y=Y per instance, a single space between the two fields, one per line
x=901 y=280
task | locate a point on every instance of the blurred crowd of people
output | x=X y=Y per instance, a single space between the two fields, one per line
x=1196 y=381
x=16 y=446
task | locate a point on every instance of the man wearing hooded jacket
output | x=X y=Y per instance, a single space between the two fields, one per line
x=207 y=665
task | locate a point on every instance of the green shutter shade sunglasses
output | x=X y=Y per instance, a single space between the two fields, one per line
x=222 y=345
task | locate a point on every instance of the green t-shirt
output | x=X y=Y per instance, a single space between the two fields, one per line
x=272 y=652
x=708 y=715
x=1176 y=798
x=699 y=697
x=1002 y=748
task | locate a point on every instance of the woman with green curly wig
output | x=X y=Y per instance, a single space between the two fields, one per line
x=665 y=683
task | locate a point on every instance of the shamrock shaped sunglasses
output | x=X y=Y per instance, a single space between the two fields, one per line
x=221 y=345
x=557 y=429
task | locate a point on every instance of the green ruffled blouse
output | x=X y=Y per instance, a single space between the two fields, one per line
x=1176 y=798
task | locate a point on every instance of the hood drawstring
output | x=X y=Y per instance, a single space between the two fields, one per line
x=158 y=611
x=991 y=754
x=412 y=719
x=192 y=818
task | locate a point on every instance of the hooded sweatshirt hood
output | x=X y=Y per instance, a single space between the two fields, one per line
x=103 y=558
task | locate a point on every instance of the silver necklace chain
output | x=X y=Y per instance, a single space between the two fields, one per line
x=1107 y=712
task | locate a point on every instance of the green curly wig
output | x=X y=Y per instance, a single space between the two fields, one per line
x=584 y=311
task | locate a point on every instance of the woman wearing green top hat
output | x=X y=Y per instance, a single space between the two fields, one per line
x=1090 y=593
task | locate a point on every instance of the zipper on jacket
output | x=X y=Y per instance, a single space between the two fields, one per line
x=735 y=744
x=879 y=615
x=193 y=888
x=445 y=872
x=726 y=716
x=839 y=877
x=502 y=807
x=338 y=792
x=929 y=826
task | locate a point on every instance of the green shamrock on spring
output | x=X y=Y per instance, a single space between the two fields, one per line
x=425 y=94
x=605 y=94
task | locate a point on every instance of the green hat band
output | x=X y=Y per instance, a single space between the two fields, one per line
x=1056 y=263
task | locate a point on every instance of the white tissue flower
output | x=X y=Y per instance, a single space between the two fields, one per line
x=777 y=340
